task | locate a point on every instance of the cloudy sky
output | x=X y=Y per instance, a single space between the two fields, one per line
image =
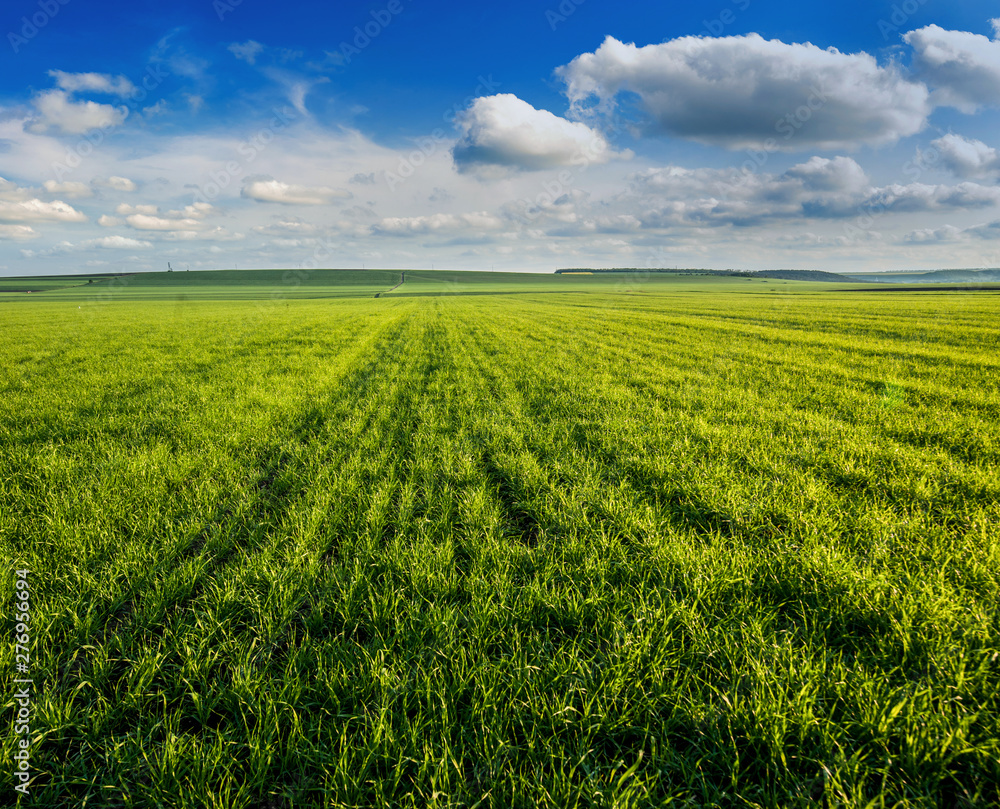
x=522 y=135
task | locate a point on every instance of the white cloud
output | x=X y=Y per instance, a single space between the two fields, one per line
x=149 y=217
x=116 y=183
x=58 y=249
x=11 y=190
x=503 y=130
x=198 y=210
x=218 y=234
x=125 y=209
x=57 y=111
x=962 y=67
x=438 y=223
x=745 y=91
x=246 y=51
x=287 y=227
x=177 y=58
x=967 y=158
x=117 y=243
x=296 y=86
x=69 y=189
x=35 y=210
x=820 y=189
x=949 y=233
x=946 y=233
x=159 y=108
x=267 y=190
x=17 y=233
x=109 y=221
x=93 y=83
x=920 y=197
x=141 y=221
x=836 y=174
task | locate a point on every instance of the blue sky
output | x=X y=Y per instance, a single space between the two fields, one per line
x=524 y=135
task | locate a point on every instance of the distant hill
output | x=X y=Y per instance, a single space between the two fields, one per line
x=785 y=275
x=989 y=276
x=803 y=275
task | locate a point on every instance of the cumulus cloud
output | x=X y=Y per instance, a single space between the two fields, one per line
x=438 y=223
x=117 y=243
x=93 y=83
x=246 y=51
x=55 y=110
x=17 y=233
x=837 y=174
x=68 y=189
x=502 y=130
x=35 y=210
x=267 y=190
x=287 y=227
x=125 y=209
x=946 y=233
x=677 y=198
x=11 y=190
x=109 y=221
x=149 y=217
x=748 y=92
x=919 y=197
x=116 y=183
x=962 y=67
x=59 y=248
x=141 y=221
x=950 y=233
x=218 y=234
x=970 y=159
x=819 y=188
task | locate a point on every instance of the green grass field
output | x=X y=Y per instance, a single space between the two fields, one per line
x=503 y=541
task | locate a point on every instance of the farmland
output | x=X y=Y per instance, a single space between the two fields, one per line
x=499 y=540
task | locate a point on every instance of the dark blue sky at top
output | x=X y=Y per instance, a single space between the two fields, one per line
x=428 y=60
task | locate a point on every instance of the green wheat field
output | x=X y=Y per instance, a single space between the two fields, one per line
x=498 y=540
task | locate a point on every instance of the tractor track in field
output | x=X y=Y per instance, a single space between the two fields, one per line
x=402 y=278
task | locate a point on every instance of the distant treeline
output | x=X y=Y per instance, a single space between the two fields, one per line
x=787 y=275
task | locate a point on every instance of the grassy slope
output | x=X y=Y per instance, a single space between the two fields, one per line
x=603 y=549
x=275 y=285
